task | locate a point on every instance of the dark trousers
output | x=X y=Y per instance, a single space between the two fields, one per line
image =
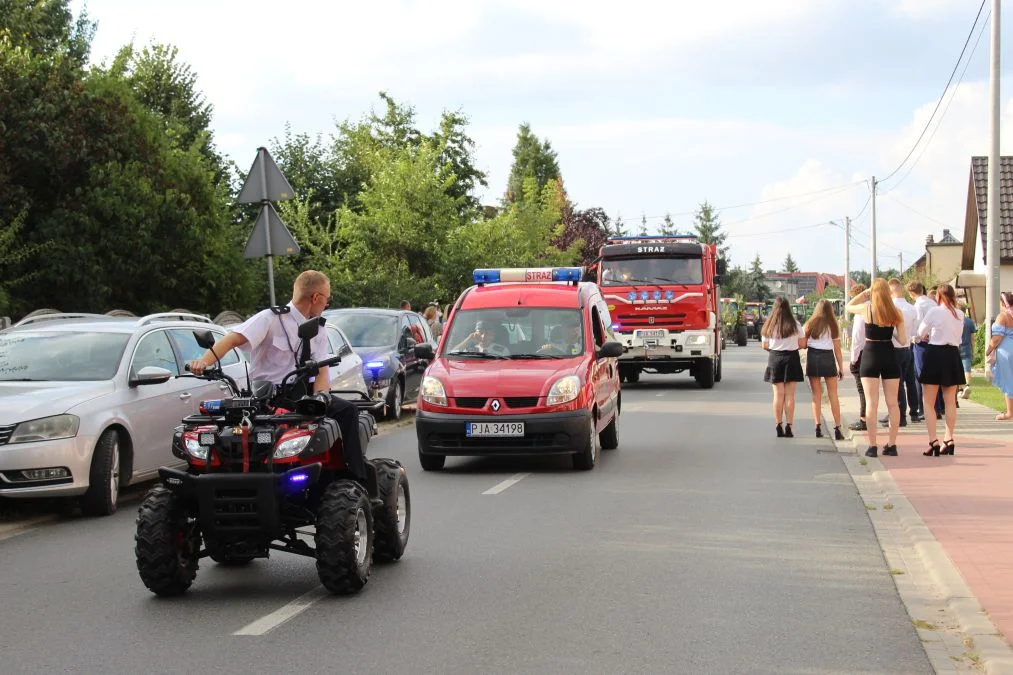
x=908 y=393
x=858 y=383
x=347 y=416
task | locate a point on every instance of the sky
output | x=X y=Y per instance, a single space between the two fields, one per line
x=777 y=113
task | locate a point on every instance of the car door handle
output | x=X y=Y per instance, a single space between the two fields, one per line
x=185 y=396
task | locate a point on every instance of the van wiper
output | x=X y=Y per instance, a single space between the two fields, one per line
x=477 y=355
x=20 y=379
x=536 y=356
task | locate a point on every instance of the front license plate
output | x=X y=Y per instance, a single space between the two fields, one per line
x=650 y=333
x=493 y=429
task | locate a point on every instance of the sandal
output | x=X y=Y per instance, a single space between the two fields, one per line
x=933 y=450
x=780 y=430
x=948 y=448
x=1003 y=417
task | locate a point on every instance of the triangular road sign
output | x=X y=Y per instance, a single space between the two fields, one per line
x=282 y=242
x=265 y=181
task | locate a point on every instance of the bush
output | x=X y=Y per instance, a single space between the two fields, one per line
x=978 y=355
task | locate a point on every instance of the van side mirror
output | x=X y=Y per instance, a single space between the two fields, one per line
x=610 y=350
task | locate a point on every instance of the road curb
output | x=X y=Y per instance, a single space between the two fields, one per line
x=877 y=489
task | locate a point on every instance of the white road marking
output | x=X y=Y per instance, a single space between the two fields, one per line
x=661 y=394
x=9 y=530
x=512 y=480
x=280 y=616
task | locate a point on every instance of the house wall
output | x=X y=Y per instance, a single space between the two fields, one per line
x=944 y=262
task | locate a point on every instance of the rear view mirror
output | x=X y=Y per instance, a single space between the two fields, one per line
x=309 y=329
x=205 y=338
x=425 y=352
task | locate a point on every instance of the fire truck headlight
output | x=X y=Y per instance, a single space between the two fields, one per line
x=697 y=340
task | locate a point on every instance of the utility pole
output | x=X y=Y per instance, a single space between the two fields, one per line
x=872 y=274
x=992 y=219
x=900 y=271
x=847 y=258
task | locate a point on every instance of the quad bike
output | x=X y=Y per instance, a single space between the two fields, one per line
x=261 y=466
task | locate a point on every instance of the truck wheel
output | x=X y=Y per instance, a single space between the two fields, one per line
x=705 y=374
x=344 y=538
x=104 y=477
x=717 y=370
x=609 y=436
x=431 y=462
x=393 y=518
x=587 y=457
x=166 y=544
x=633 y=375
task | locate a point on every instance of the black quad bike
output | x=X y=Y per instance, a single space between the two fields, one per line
x=262 y=466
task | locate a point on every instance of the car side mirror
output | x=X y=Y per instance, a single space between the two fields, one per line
x=309 y=329
x=409 y=344
x=150 y=375
x=610 y=350
x=425 y=352
x=205 y=338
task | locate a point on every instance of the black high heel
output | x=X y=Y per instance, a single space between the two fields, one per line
x=890 y=450
x=780 y=430
x=873 y=451
x=787 y=431
x=948 y=448
x=838 y=436
x=933 y=450
x=819 y=431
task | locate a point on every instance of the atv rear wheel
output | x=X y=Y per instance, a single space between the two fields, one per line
x=166 y=543
x=344 y=538
x=392 y=519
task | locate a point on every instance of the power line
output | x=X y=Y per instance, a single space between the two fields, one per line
x=787 y=208
x=960 y=58
x=953 y=95
x=916 y=211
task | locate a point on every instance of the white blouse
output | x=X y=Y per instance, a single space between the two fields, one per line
x=825 y=341
x=941 y=327
x=785 y=344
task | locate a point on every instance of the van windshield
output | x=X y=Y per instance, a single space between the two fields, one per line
x=515 y=333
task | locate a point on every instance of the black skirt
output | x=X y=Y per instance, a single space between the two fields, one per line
x=942 y=366
x=783 y=366
x=820 y=363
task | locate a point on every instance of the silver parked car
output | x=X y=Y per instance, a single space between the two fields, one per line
x=89 y=402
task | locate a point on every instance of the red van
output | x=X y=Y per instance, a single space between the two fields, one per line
x=527 y=365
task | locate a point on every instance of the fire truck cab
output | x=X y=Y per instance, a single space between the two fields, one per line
x=663 y=294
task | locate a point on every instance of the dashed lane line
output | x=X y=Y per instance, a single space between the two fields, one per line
x=512 y=480
x=279 y=616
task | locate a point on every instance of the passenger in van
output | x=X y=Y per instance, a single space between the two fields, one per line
x=564 y=338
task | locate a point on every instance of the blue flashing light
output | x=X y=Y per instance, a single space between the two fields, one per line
x=374 y=365
x=616 y=326
x=669 y=295
x=485 y=276
x=657 y=295
x=566 y=274
x=632 y=295
x=643 y=295
x=298 y=478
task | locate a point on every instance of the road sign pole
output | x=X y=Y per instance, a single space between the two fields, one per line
x=267 y=230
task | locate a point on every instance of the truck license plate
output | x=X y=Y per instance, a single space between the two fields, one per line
x=472 y=429
x=650 y=333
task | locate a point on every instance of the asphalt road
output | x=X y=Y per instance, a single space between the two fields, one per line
x=703 y=544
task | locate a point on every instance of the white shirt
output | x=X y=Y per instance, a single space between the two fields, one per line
x=273 y=340
x=857 y=336
x=825 y=341
x=910 y=313
x=941 y=327
x=785 y=344
x=923 y=304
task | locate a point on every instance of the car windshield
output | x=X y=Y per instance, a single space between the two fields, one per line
x=367 y=330
x=48 y=356
x=657 y=271
x=515 y=333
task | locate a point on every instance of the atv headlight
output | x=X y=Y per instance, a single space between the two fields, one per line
x=194 y=447
x=564 y=390
x=46 y=429
x=291 y=447
x=433 y=391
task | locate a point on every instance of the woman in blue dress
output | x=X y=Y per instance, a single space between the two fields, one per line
x=999 y=354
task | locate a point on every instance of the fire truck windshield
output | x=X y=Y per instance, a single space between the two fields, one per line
x=657 y=271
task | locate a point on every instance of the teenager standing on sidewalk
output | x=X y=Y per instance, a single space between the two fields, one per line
x=824 y=362
x=922 y=304
x=783 y=337
x=908 y=393
x=967 y=350
x=857 y=342
x=999 y=354
x=942 y=370
x=879 y=362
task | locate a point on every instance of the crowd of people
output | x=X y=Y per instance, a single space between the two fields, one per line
x=917 y=354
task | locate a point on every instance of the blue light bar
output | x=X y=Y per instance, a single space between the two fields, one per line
x=298 y=478
x=566 y=274
x=375 y=365
x=485 y=276
x=527 y=275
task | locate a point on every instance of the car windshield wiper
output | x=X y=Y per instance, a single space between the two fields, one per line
x=478 y=355
x=536 y=356
x=20 y=379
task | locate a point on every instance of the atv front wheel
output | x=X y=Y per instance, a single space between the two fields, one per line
x=344 y=538
x=392 y=519
x=166 y=544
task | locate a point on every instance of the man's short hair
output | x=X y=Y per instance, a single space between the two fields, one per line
x=405 y=304
x=916 y=287
x=308 y=283
x=895 y=283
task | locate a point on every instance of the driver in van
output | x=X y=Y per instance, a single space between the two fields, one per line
x=564 y=337
x=273 y=342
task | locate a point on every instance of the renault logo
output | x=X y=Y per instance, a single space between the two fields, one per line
x=650 y=320
x=495 y=405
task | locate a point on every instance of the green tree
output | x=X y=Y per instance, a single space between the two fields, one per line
x=757 y=285
x=789 y=265
x=708 y=228
x=668 y=227
x=618 y=228
x=47 y=27
x=643 y=225
x=533 y=158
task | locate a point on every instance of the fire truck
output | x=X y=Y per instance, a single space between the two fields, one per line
x=663 y=295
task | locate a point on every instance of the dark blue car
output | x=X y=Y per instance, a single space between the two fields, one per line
x=385 y=339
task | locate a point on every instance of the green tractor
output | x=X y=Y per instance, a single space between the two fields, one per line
x=733 y=321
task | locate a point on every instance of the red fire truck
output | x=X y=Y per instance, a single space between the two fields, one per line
x=663 y=295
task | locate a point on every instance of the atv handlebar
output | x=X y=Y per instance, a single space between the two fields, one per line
x=215 y=373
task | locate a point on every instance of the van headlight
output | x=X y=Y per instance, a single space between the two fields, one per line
x=46 y=429
x=563 y=390
x=433 y=392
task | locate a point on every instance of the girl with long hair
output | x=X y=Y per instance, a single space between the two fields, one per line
x=824 y=362
x=879 y=361
x=999 y=354
x=783 y=337
x=942 y=327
